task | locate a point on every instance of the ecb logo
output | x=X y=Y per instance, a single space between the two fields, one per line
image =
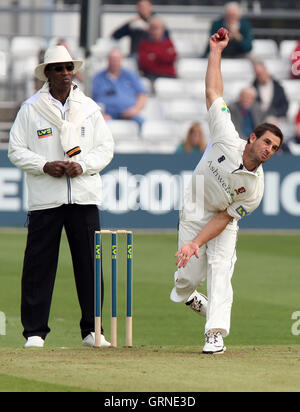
x=2 y=324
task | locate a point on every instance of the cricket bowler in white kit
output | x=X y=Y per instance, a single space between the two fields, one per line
x=226 y=186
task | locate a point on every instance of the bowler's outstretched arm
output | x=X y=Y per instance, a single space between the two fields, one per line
x=213 y=79
x=213 y=228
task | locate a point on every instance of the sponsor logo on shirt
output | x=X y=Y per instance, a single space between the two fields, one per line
x=221 y=159
x=241 y=211
x=240 y=190
x=225 y=108
x=44 y=133
x=220 y=179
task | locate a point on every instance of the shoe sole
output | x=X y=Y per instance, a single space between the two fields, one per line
x=188 y=304
x=219 y=352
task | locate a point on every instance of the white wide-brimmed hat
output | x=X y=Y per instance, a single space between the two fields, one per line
x=56 y=54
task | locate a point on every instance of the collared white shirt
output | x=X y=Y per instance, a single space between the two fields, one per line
x=62 y=107
x=220 y=181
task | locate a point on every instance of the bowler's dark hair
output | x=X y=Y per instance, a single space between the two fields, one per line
x=260 y=130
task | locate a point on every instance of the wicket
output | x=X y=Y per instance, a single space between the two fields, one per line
x=98 y=289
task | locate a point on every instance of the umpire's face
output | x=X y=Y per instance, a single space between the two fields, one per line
x=60 y=75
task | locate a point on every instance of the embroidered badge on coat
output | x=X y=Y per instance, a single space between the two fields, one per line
x=44 y=133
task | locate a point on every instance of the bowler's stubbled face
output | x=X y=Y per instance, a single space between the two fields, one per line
x=265 y=147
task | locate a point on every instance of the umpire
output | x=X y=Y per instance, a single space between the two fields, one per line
x=61 y=141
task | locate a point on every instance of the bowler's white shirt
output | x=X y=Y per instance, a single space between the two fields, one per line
x=220 y=181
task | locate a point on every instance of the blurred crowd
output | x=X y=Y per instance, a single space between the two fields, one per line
x=123 y=94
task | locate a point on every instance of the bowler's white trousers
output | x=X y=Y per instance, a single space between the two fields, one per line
x=216 y=264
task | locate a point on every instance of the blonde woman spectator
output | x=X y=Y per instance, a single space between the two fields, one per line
x=195 y=141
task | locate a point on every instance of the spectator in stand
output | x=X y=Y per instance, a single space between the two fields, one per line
x=119 y=91
x=246 y=113
x=137 y=28
x=295 y=69
x=292 y=146
x=240 y=31
x=157 y=54
x=270 y=94
x=194 y=142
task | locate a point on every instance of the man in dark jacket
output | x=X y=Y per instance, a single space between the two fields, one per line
x=137 y=28
x=240 y=31
x=270 y=94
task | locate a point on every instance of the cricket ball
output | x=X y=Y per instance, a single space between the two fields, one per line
x=222 y=33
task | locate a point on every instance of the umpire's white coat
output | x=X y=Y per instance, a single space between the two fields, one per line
x=224 y=184
x=34 y=141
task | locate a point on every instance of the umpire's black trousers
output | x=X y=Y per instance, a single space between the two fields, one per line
x=40 y=264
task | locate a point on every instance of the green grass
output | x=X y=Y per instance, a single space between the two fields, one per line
x=10 y=383
x=262 y=353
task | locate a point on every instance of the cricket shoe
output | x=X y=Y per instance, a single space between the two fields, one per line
x=198 y=303
x=89 y=340
x=34 y=342
x=214 y=343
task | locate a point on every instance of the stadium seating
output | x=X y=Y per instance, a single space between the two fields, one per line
x=239 y=69
x=184 y=109
x=233 y=88
x=278 y=68
x=129 y=147
x=287 y=128
x=124 y=130
x=192 y=68
x=195 y=89
x=27 y=46
x=153 y=109
x=173 y=104
x=187 y=46
x=294 y=107
x=292 y=89
x=158 y=131
x=286 y=48
x=264 y=48
x=4 y=44
x=102 y=47
x=169 y=88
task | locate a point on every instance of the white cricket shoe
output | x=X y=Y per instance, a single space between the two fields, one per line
x=34 y=342
x=89 y=340
x=214 y=343
x=198 y=303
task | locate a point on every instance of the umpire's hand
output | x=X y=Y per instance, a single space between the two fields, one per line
x=59 y=169
x=55 y=169
x=73 y=169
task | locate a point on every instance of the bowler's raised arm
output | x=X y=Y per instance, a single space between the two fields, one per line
x=213 y=79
